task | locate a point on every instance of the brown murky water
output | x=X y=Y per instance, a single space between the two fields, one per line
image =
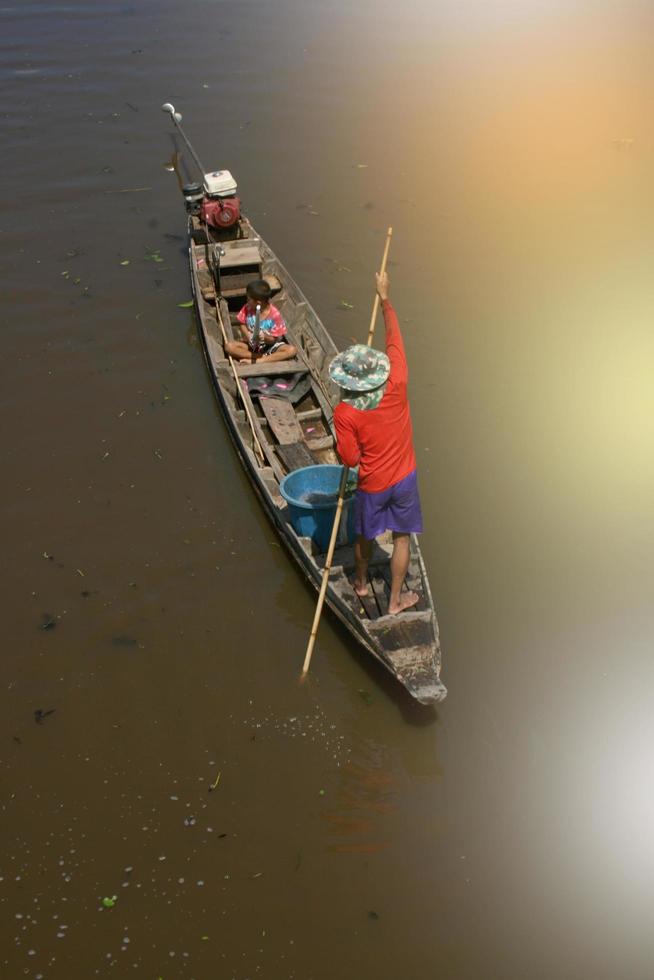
x=153 y=629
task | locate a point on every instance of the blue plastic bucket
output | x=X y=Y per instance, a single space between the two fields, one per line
x=311 y=494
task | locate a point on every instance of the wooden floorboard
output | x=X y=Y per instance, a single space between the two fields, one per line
x=369 y=603
x=346 y=593
x=413 y=582
x=295 y=456
x=281 y=419
x=410 y=584
x=381 y=592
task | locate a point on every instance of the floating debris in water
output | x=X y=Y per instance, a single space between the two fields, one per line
x=124 y=641
x=313 y=728
x=40 y=714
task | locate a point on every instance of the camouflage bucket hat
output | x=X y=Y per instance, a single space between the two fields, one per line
x=360 y=368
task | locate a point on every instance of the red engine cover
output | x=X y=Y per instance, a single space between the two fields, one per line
x=221 y=212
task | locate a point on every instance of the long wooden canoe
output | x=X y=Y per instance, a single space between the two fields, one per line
x=274 y=437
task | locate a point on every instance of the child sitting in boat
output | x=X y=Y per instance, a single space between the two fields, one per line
x=272 y=343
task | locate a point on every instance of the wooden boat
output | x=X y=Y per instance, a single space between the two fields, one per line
x=274 y=437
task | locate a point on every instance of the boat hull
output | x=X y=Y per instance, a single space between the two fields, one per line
x=408 y=645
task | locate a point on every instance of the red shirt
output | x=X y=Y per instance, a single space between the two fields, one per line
x=380 y=440
x=272 y=323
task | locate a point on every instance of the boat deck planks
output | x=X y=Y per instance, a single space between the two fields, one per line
x=413 y=583
x=380 y=591
x=295 y=456
x=369 y=603
x=281 y=419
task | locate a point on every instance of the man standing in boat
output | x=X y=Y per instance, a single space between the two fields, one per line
x=374 y=432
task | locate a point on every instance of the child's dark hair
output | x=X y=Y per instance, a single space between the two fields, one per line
x=259 y=290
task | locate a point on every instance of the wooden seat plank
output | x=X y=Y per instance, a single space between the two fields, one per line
x=239 y=255
x=292 y=366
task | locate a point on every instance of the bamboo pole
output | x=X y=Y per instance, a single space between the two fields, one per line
x=389 y=235
x=237 y=380
x=339 y=505
x=325 y=574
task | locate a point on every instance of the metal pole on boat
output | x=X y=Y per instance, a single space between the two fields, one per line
x=256 y=333
x=339 y=505
x=375 y=307
x=177 y=118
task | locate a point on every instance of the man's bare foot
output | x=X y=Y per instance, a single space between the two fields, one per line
x=407 y=600
x=361 y=590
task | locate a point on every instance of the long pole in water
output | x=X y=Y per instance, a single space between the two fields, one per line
x=339 y=505
x=177 y=118
x=389 y=235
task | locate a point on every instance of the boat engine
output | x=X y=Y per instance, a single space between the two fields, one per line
x=215 y=202
x=222 y=213
x=194 y=196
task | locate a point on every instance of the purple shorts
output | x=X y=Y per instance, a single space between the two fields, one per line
x=394 y=509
